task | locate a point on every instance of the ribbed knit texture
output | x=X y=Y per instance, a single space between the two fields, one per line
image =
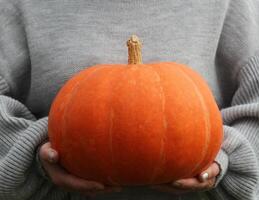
x=44 y=43
x=240 y=150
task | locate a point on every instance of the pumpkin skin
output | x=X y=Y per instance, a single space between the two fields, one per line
x=136 y=124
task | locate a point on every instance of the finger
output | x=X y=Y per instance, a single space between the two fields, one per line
x=185 y=183
x=60 y=176
x=193 y=184
x=68 y=181
x=209 y=184
x=48 y=154
x=209 y=173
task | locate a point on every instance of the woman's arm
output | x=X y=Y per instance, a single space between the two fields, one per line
x=238 y=64
x=20 y=131
x=239 y=156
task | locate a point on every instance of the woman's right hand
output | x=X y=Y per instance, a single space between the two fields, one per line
x=69 y=182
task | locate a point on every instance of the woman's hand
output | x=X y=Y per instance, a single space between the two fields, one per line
x=205 y=181
x=69 y=182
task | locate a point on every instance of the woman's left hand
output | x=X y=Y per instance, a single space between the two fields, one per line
x=204 y=181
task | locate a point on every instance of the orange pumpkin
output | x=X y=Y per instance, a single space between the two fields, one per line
x=135 y=124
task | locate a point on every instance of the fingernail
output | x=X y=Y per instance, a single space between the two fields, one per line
x=176 y=184
x=51 y=156
x=205 y=176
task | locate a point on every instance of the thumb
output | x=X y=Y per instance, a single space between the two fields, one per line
x=209 y=173
x=48 y=154
x=52 y=156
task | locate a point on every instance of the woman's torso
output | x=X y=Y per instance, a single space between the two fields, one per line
x=69 y=36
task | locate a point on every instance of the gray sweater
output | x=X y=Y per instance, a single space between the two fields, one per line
x=43 y=43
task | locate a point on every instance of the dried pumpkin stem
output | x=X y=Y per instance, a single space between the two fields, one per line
x=134 y=50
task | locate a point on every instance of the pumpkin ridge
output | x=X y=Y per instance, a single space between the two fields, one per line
x=69 y=101
x=162 y=147
x=111 y=144
x=212 y=107
x=109 y=71
x=77 y=85
x=112 y=115
x=206 y=117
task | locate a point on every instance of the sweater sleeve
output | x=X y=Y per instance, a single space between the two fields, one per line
x=20 y=131
x=239 y=156
x=238 y=60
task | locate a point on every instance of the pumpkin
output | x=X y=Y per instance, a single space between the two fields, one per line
x=135 y=124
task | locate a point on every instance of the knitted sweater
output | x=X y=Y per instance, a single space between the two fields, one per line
x=43 y=43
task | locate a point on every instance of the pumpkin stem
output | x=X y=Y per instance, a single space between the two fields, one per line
x=134 y=50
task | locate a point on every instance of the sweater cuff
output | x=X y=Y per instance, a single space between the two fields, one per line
x=222 y=160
